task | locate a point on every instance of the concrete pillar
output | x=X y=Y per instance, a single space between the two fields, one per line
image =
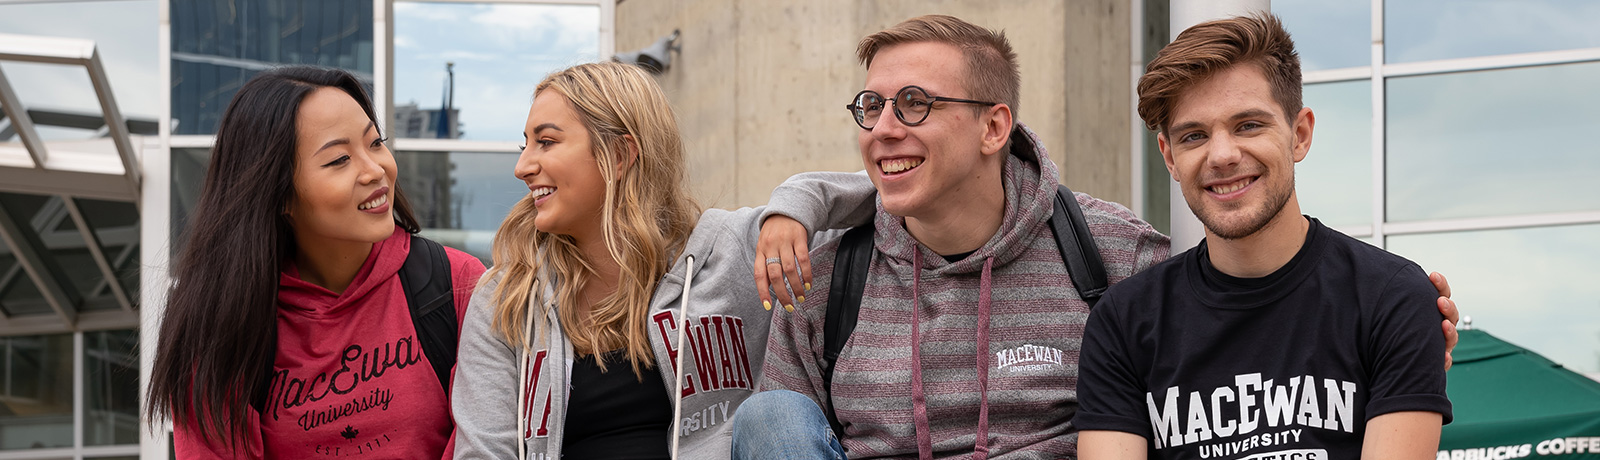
x=1186 y=230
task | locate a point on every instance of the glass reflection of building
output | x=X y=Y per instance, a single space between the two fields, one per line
x=217 y=46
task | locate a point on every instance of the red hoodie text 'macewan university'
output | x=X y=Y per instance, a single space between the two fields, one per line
x=350 y=377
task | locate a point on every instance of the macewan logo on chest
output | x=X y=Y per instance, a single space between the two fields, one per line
x=716 y=342
x=1304 y=401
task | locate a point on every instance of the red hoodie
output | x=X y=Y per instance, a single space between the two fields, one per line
x=351 y=380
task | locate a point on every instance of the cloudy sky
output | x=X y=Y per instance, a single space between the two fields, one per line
x=500 y=53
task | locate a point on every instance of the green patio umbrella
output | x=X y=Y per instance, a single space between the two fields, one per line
x=1512 y=403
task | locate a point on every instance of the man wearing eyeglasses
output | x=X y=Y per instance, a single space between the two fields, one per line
x=969 y=328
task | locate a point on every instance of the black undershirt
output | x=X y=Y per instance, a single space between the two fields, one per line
x=953 y=258
x=613 y=415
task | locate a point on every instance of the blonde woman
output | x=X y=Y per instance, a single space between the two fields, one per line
x=617 y=313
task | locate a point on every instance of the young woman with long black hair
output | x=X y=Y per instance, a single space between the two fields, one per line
x=287 y=333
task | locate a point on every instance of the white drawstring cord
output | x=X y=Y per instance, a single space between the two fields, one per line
x=683 y=326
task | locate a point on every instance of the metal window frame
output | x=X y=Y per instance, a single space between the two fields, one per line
x=67 y=178
x=1379 y=72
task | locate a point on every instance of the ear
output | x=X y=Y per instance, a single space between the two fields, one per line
x=997 y=123
x=1166 y=155
x=1303 y=124
x=628 y=155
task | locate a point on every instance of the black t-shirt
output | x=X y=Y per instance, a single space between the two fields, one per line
x=1342 y=333
x=613 y=415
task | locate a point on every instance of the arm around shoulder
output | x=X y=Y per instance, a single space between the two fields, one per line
x=825 y=200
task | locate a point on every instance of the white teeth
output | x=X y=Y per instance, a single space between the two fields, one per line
x=376 y=202
x=898 y=165
x=1232 y=187
x=542 y=191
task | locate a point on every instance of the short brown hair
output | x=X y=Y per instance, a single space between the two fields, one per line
x=992 y=73
x=1207 y=48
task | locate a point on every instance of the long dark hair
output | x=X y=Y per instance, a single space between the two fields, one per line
x=220 y=327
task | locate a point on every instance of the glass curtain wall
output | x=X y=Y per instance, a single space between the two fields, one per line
x=463 y=76
x=1459 y=139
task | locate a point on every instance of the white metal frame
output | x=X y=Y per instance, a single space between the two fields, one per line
x=1378 y=72
x=66 y=175
x=79 y=414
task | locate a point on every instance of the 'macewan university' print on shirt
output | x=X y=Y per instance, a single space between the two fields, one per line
x=1290 y=366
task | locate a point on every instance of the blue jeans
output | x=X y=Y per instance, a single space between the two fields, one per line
x=782 y=424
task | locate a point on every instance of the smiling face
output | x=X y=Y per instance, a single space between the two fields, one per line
x=558 y=164
x=1233 y=151
x=343 y=174
x=919 y=168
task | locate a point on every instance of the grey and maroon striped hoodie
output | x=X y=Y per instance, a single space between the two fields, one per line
x=991 y=347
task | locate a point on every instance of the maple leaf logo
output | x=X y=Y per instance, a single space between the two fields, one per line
x=349 y=432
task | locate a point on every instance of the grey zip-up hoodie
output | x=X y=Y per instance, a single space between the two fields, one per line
x=707 y=327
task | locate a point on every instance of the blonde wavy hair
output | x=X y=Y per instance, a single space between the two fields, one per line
x=646 y=218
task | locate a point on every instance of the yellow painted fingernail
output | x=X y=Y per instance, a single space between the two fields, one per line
x=802 y=298
x=808 y=286
x=788 y=308
x=767 y=305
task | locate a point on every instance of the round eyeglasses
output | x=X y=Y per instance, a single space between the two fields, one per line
x=911 y=106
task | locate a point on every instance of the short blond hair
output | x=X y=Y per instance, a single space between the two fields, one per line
x=992 y=73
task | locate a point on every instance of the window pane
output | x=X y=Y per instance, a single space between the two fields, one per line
x=1493 y=143
x=188 y=176
x=116 y=226
x=36 y=392
x=499 y=53
x=111 y=387
x=1329 y=34
x=1334 y=182
x=1534 y=287
x=62 y=252
x=460 y=197
x=1421 y=30
x=217 y=46
x=124 y=32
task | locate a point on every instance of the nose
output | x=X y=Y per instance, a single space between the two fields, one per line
x=888 y=126
x=371 y=168
x=1222 y=152
x=527 y=164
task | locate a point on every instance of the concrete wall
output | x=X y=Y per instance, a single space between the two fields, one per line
x=760 y=85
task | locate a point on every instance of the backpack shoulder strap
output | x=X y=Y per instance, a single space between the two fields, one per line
x=425 y=276
x=849 y=281
x=1078 y=251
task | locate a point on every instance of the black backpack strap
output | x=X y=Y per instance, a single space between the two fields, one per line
x=425 y=277
x=849 y=281
x=1078 y=251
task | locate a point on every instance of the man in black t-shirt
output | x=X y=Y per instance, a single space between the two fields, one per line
x=1276 y=337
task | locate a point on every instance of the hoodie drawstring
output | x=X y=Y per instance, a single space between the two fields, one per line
x=919 y=404
x=677 y=367
x=980 y=446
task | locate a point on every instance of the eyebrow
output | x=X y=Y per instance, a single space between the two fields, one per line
x=1252 y=113
x=342 y=140
x=545 y=126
